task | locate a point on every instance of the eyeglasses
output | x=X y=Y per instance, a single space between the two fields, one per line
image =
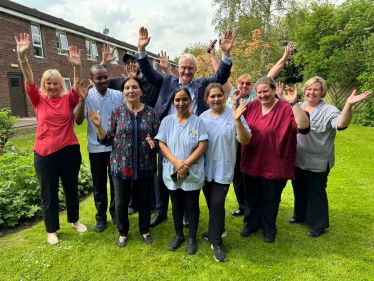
x=241 y=83
x=131 y=61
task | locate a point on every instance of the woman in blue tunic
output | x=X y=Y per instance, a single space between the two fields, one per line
x=182 y=139
x=225 y=127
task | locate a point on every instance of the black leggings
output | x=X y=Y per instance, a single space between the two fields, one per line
x=215 y=195
x=64 y=163
x=178 y=197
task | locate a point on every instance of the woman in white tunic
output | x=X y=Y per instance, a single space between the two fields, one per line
x=182 y=140
x=225 y=127
x=316 y=154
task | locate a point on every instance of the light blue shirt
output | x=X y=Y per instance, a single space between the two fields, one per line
x=220 y=155
x=192 y=86
x=105 y=104
x=182 y=141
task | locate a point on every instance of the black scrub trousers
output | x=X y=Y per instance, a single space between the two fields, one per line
x=311 y=204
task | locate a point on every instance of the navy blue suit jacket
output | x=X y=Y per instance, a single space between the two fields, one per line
x=167 y=84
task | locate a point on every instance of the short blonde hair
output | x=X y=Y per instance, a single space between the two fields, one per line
x=316 y=79
x=52 y=74
x=247 y=77
x=189 y=57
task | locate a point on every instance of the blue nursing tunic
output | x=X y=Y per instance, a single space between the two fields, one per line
x=220 y=155
x=182 y=141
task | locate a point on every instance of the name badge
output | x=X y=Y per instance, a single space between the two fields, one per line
x=194 y=132
x=313 y=128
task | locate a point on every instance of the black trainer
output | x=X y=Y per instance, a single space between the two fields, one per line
x=246 y=232
x=315 y=232
x=294 y=220
x=191 y=246
x=175 y=243
x=100 y=226
x=269 y=238
x=219 y=253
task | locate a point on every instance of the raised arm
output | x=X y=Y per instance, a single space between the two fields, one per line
x=107 y=54
x=279 y=65
x=164 y=62
x=243 y=134
x=23 y=46
x=301 y=118
x=83 y=93
x=74 y=57
x=152 y=75
x=212 y=54
x=346 y=116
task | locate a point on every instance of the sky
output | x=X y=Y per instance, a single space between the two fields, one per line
x=172 y=24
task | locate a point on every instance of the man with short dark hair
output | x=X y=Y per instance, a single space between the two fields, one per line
x=100 y=97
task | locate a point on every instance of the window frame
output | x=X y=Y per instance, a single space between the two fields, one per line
x=59 y=42
x=154 y=64
x=41 y=40
x=67 y=79
x=92 y=53
x=115 y=54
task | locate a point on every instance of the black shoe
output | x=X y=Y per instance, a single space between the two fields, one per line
x=294 y=220
x=238 y=213
x=122 y=242
x=175 y=243
x=131 y=211
x=100 y=226
x=246 y=232
x=148 y=239
x=156 y=220
x=269 y=238
x=191 y=246
x=315 y=232
x=219 y=253
x=186 y=222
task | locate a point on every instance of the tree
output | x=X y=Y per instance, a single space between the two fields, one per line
x=195 y=49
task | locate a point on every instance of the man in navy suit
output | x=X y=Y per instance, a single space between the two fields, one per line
x=187 y=68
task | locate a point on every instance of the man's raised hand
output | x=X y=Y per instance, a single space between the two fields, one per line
x=107 y=54
x=143 y=40
x=226 y=43
x=164 y=60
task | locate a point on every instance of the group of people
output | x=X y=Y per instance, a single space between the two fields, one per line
x=205 y=133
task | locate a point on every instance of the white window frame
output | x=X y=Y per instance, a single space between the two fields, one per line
x=92 y=52
x=115 y=54
x=33 y=35
x=154 y=64
x=63 y=50
x=67 y=79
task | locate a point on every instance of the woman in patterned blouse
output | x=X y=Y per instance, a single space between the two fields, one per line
x=131 y=129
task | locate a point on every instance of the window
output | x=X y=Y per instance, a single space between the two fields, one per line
x=115 y=54
x=91 y=47
x=67 y=84
x=37 y=41
x=154 y=64
x=62 y=43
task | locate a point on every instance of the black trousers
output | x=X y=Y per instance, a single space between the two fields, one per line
x=215 y=195
x=65 y=164
x=162 y=192
x=311 y=204
x=238 y=181
x=123 y=193
x=134 y=201
x=100 y=171
x=178 y=198
x=263 y=197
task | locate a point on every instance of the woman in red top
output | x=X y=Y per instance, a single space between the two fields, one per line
x=56 y=151
x=268 y=161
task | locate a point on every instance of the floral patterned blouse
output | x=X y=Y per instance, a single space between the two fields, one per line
x=131 y=157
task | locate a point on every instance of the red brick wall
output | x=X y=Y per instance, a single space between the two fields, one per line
x=11 y=26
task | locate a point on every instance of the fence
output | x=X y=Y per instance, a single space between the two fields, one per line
x=338 y=96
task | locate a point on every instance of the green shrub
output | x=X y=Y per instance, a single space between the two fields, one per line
x=6 y=127
x=365 y=117
x=19 y=186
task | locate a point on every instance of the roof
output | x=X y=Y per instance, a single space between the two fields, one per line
x=61 y=22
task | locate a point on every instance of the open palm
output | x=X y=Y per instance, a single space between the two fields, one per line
x=354 y=99
x=23 y=44
x=228 y=40
x=74 y=56
x=95 y=119
x=143 y=40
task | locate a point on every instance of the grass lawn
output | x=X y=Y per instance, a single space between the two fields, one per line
x=345 y=251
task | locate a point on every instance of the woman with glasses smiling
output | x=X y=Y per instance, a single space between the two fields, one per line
x=244 y=89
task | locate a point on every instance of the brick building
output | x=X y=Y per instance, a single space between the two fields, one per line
x=50 y=38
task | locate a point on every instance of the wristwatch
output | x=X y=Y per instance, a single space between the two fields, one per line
x=293 y=103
